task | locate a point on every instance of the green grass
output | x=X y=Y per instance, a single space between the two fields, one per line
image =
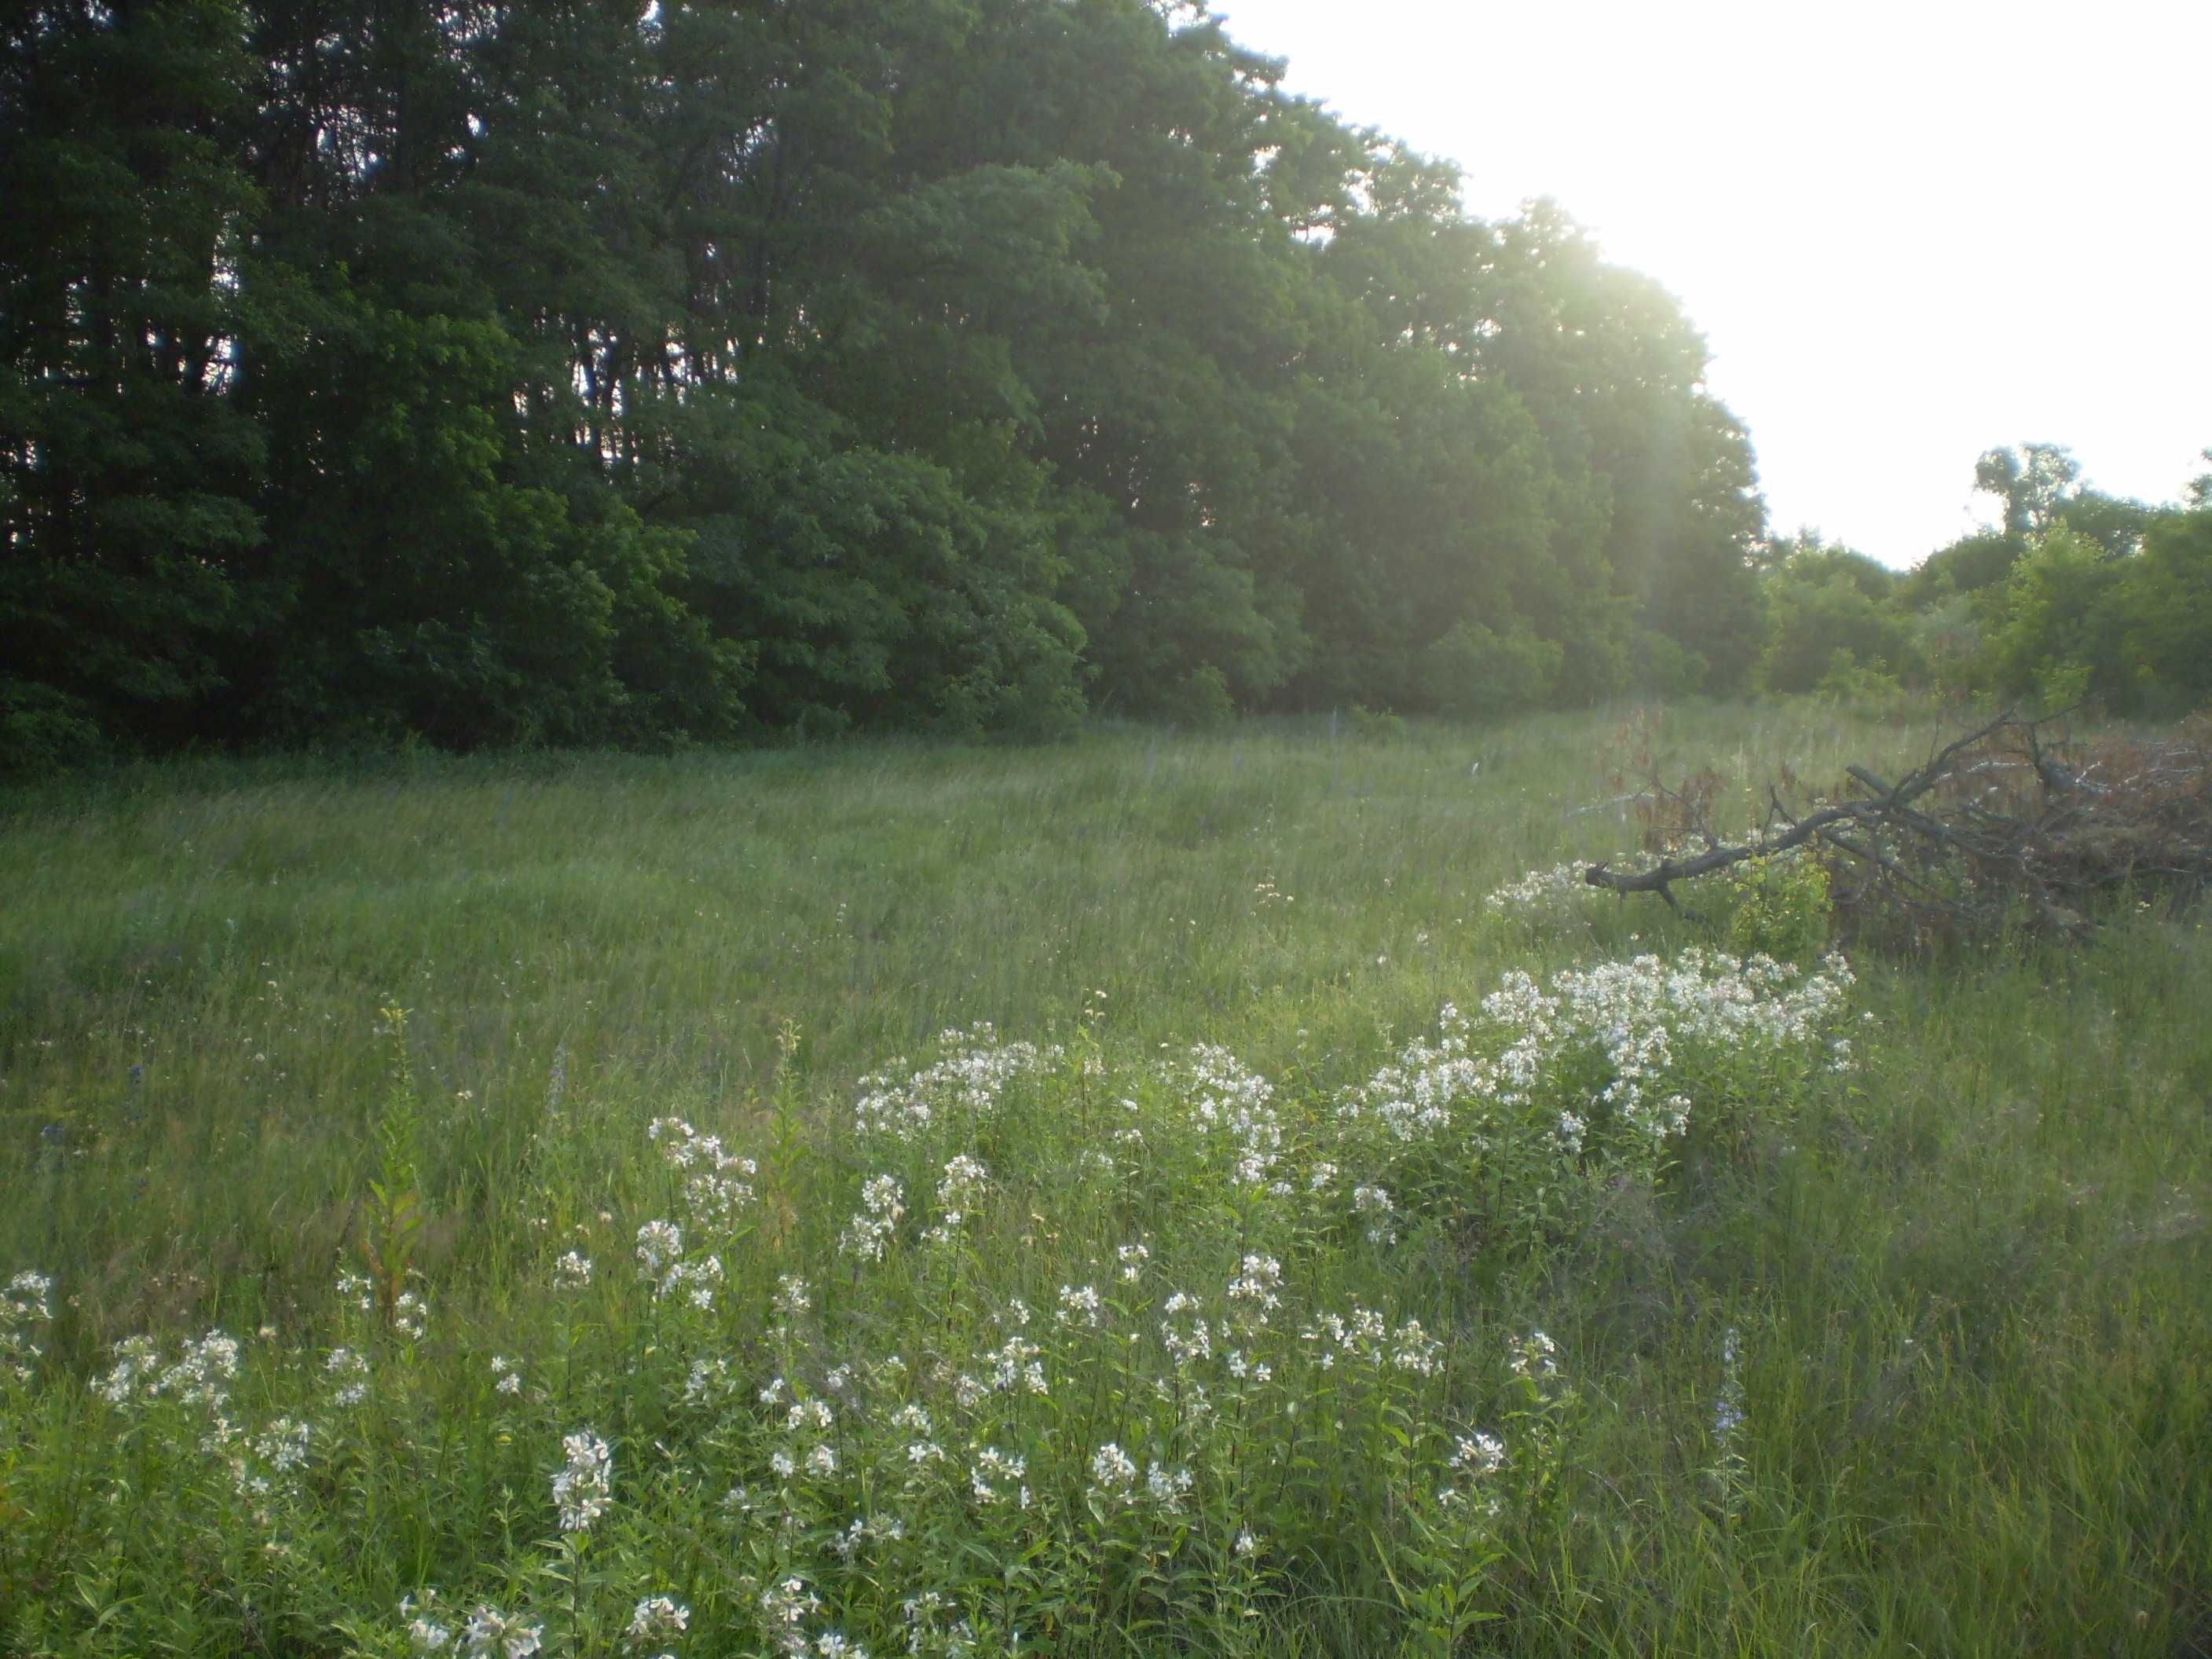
x=1970 y=1282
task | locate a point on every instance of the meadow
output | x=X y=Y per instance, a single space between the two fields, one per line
x=1160 y=1194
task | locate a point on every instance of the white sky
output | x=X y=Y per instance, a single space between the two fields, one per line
x=1909 y=232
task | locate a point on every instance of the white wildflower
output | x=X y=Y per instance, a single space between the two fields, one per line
x=581 y=1487
x=490 y=1631
x=1080 y=1306
x=1478 y=1454
x=869 y=1233
x=660 y=1245
x=1113 y=1470
x=656 y=1619
x=348 y=1373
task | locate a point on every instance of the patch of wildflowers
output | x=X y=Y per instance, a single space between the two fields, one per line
x=1113 y=1473
x=869 y=1234
x=963 y=1182
x=961 y=1089
x=655 y=1619
x=24 y=1303
x=1080 y=1306
x=1228 y=1101
x=348 y=1375
x=491 y=1634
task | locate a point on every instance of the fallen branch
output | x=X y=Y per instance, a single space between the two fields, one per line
x=1999 y=823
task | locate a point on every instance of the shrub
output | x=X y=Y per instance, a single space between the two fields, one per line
x=1777 y=907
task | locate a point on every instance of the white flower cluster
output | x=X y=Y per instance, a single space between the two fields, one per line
x=717 y=1184
x=1420 y=1095
x=24 y=1303
x=710 y=1383
x=1636 y=1013
x=1228 y=1099
x=662 y=1264
x=1727 y=1409
x=964 y=1182
x=656 y=1620
x=349 y=1374
x=260 y=1463
x=1475 y=1457
x=1637 y=1018
x=1478 y=1455
x=1364 y=1337
x=959 y=1090
x=785 y=1607
x=1187 y=1343
x=1168 y=1487
x=1082 y=1306
x=1375 y=1203
x=1253 y=1293
x=1534 y=1355
x=201 y=1376
x=1552 y=895
x=928 y=1632
x=488 y=1633
x=1113 y=1472
x=804 y=1416
x=869 y=1234
x=583 y=1487
x=992 y=1466
x=1015 y=1366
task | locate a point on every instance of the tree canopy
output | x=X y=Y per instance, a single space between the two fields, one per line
x=626 y=373
x=706 y=369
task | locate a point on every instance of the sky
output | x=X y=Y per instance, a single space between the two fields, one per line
x=1910 y=233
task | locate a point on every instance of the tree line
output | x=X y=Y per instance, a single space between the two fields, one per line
x=584 y=373
x=2073 y=597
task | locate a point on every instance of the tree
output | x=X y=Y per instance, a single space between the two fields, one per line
x=128 y=471
x=2034 y=481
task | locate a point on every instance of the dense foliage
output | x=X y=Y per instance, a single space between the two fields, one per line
x=498 y=374
x=585 y=373
x=2076 y=596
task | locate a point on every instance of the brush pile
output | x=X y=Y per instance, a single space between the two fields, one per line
x=2012 y=826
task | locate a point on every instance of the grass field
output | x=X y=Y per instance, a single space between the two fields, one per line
x=1196 y=1309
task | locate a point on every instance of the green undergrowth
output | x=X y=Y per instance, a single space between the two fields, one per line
x=562 y=1184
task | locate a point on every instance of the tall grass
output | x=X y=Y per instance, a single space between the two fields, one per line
x=1958 y=1298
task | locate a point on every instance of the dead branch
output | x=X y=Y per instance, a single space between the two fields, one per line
x=2007 y=821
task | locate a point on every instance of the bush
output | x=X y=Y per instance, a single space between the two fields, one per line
x=1777 y=907
x=43 y=729
x=1200 y=702
x=1471 y=671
